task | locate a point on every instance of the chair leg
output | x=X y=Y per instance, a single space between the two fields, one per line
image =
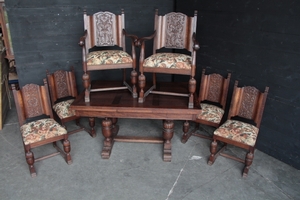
x=92 y=131
x=213 y=150
x=192 y=89
x=248 y=162
x=86 y=85
x=30 y=161
x=77 y=121
x=142 y=84
x=186 y=135
x=67 y=149
x=133 y=82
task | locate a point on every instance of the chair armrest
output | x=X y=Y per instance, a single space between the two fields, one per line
x=82 y=39
x=141 y=43
x=143 y=39
x=133 y=38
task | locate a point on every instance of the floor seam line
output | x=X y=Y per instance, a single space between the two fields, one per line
x=175 y=183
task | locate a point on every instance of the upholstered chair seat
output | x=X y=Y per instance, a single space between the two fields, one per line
x=42 y=129
x=62 y=109
x=169 y=60
x=238 y=131
x=210 y=113
x=107 y=57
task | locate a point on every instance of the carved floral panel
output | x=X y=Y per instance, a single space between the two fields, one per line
x=104 y=29
x=175 y=30
x=61 y=84
x=248 y=105
x=32 y=100
x=215 y=87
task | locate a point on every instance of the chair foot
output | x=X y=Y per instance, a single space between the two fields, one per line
x=191 y=105
x=214 y=154
x=30 y=161
x=134 y=95
x=210 y=163
x=69 y=162
x=185 y=137
x=32 y=171
x=248 y=162
x=141 y=100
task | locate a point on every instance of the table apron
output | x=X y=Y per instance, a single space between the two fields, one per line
x=137 y=115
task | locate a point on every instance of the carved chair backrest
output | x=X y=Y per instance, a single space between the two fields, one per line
x=104 y=29
x=248 y=102
x=174 y=30
x=62 y=84
x=214 y=88
x=32 y=101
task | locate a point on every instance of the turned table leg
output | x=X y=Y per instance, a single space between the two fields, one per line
x=109 y=130
x=168 y=132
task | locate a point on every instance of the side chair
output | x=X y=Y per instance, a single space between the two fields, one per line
x=63 y=91
x=37 y=125
x=212 y=102
x=242 y=125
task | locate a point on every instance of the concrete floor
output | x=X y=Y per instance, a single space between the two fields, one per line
x=137 y=171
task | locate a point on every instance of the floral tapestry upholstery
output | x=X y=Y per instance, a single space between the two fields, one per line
x=169 y=60
x=210 y=113
x=107 y=57
x=238 y=131
x=40 y=130
x=63 y=110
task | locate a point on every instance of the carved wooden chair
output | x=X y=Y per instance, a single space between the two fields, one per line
x=37 y=125
x=105 y=31
x=63 y=91
x=212 y=101
x=174 y=32
x=242 y=125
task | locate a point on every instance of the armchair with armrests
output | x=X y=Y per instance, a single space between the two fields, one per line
x=176 y=33
x=105 y=31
